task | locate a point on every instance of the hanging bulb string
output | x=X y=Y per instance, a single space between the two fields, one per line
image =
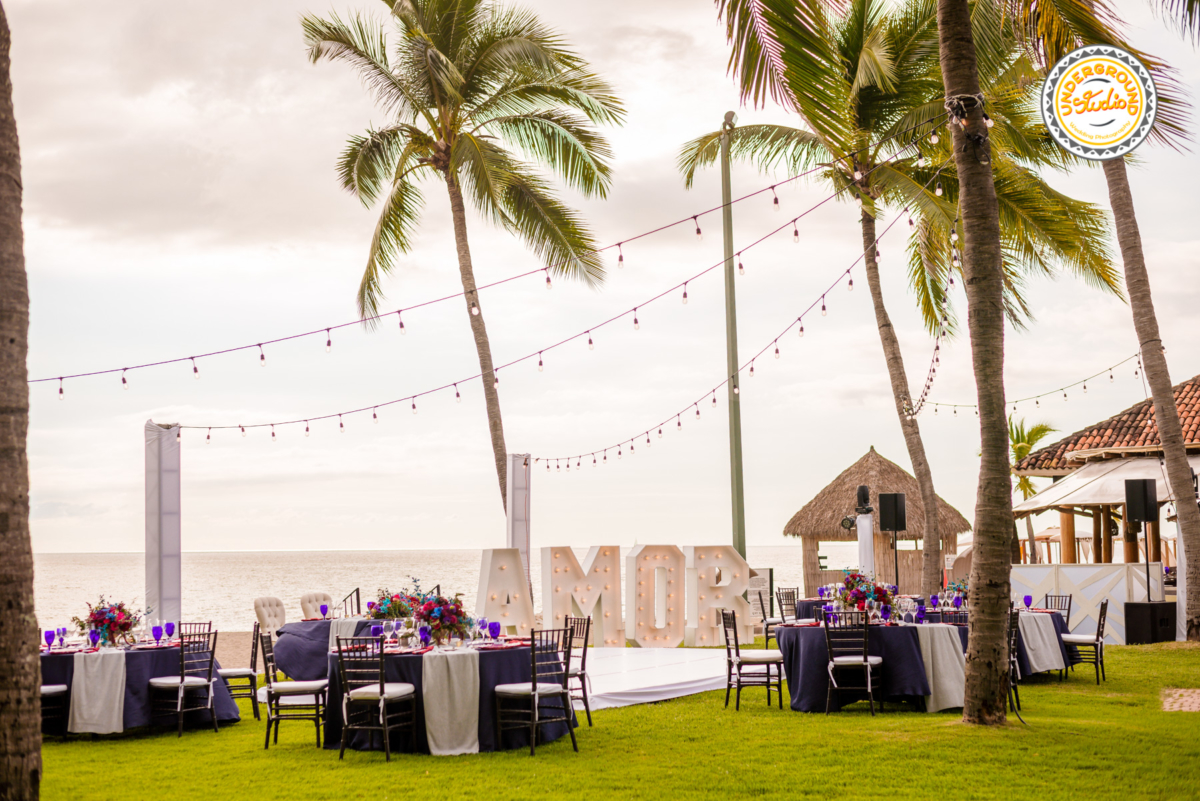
x=1041 y=395
x=843 y=274
x=398 y=312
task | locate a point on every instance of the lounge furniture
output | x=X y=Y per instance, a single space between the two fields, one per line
x=581 y=630
x=1091 y=646
x=243 y=682
x=786 y=596
x=752 y=668
x=846 y=640
x=56 y=709
x=1062 y=603
x=289 y=700
x=192 y=689
x=768 y=620
x=270 y=614
x=310 y=603
x=371 y=703
x=545 y=698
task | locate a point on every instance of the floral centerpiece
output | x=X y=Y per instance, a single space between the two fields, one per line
x=114 y=621
x=858 y=588
x=444 y=617
x=959 y=586
x=392 y=606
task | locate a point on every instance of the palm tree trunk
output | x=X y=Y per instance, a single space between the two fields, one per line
x=987 y=646
x=931 y=558
x=1154 y=363
x=479 y=331
x=1033 y=554
x=20 y=665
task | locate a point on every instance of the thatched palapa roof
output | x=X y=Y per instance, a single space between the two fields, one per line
x=822 y=516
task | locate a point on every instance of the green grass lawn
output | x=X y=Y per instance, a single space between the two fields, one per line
x=1083 y=742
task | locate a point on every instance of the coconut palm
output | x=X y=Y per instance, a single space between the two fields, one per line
x=1021 y=442
x=20 y=668
x=1051 y=32
x=881 y=74
x=483 y=98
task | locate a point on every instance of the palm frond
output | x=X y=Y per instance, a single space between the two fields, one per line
x=767 y=146
x=393 y=235
x=565 y=143
x=553 y=231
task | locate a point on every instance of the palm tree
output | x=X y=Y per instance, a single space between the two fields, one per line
x=884 y=81
x=20 y=667
x=1022 y=441
x=1053 y=32
x=481 y=96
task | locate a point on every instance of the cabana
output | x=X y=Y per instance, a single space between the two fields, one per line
x=821 y=521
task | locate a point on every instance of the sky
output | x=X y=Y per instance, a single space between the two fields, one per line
x=180 y=198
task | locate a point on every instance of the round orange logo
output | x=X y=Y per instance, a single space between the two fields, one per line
x=1099 y=102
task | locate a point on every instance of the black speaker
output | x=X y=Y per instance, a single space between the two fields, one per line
x=1149 y=622
x=1141 y=500
x=891 y=512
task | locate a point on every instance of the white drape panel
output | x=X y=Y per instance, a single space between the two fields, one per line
x=945 y=665
x=341 y=627
x=1041 y=641
x=450 y=690
x=164 y=593
x=98 y=693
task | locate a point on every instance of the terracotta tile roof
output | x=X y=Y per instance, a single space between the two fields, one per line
x=1132 y=429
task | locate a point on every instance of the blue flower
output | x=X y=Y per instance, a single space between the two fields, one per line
x=437 y=612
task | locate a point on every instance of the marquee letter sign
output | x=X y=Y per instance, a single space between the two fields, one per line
x=504 y=592
x=716 y=578
x=594 y=589
x=654 y=579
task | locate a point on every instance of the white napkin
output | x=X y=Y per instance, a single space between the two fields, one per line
x=1041 y=642
x=945 y=665
x=450 y=688
x=341 y=627
x=98 y=693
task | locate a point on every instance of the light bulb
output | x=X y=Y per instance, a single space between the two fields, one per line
x=714 y=400
x=736 y=389
x=620 y=257
x=328 y=341
x=273 y=432
x=375 y=416
x=1110 y=377
x=954 y=236
x=697 y=411
x=776 y=198
x=179 y=434
x=678 y=423
x=938 y=191
x=618 y=452
x=341 y=425
x=795 y=234
x=195 y=373
x=496 y=379
x=540 y=366
x=262 y=357
x=636 y=326
x=594 y=462
x=457 y=396
x=401 y=319
x=631 y=447
x=823 y=312
x=306 y=428
x=208 y=439
x=858 y=199
x=685 y=294
x=414 y=406
x=699 y=233
x=741 y=269
x=850 y=285
x=1085 y=388
x=591 y=345
x=124 y=383
x=933 y=139
x=878 y=253
x=606 y=456
x=660 y=432
x=243 y=428
x=988 y=121
x=548 y=284
x=776 y=349
x=858 y=175
x=557 y=466
x=474 y=309
x=752 y=369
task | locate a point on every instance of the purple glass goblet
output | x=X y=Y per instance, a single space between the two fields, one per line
x=957 y=602
x=377 y=630
x=1028 y=599
x=49 y=638
x=933 y=599
x=62 y=636
x=324 y=610
x=820 y=592
x=157 y=633
x=424 y=634
x=94 y=636
x=886 y=611
x=494 y=629
x=170 y=629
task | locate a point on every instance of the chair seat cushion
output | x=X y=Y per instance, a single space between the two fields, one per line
x=574 y=671
x=173 y=681
x=760 y=657
x=299 y=687
x=773 y=621
x=236 y=673
x=857 y=660
x=391 y=691
x=525 y=688
x=1079 y=639
x=54 y=689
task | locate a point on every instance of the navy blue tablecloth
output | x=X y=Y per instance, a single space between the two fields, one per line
x=495 y=667
x=140 y=667
x=806 y=660
x=806 y=606
x=301 y=648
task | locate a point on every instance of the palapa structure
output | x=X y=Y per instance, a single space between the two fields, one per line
x=821 y=521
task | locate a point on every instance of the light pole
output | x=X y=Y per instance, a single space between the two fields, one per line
x=731 y=348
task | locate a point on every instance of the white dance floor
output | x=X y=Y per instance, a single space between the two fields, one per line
x=627 y=676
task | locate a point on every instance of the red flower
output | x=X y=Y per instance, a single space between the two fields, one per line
x=862 y=605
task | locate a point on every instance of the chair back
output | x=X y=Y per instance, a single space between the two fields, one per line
x=360 y=663
x=1062 y=603
x=1014 y=628
x=550 y=654
x=310 y=603
x=787 y=601
x=729 y=628
x=195 y=628
x=1100 y=622
x=846 y=634
x=196 y=655
x=254 y=649
x=762 y=606
x=270 y=614
x=955 y=618
x=268 y=652
x=581 y=631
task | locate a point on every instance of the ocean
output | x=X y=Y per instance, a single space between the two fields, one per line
x=221 y=587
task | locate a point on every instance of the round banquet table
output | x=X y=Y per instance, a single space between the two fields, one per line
x=508 y=666
x=806 y=661
x=140 y=667
x=301 y=648
x=1070 y=654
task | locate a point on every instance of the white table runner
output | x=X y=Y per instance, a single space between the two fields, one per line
x=450 y=689
x=341 y=627
x=1041 y=641
x=98 y=693
x=945 y=665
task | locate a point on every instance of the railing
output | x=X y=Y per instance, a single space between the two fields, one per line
x=351 y=604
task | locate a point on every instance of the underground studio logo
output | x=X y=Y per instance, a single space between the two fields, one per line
x=1099 y=102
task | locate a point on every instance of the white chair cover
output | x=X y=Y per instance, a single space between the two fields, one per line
x=310 y=603
x=270 y=614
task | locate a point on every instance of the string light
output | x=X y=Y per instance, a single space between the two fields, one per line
x=540 y=367
x=714 y=399
x=752 y=369
x=636 y=326
x=741 y=269
x=678 y=423
x=195 y=372
x=685 y=293
x=933 y=139
x=795 y=233
x=273 y=433
x=243 y=430
x=208 y=439
x=824 y=313
x=549 y=285
x=858 y=175
x=801 y=321
x=341 y=425
x=375 y=415
x=474 y=308
x=401 y=319
x=124 y=383
x=660 y=432
x=414 y=406
x=457 y=396
x=305 y=428
x=697 y=405
x=938 y=190
x=776 y=198
x=328 y=341
x=620 y=257
x=262 y=357
x=591 y=345
x=179 y=435
x=850 y=285
x=496 y=378
x=699 y=233
x=777 y=349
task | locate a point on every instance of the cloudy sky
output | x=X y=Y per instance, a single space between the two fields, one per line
x=180 y=198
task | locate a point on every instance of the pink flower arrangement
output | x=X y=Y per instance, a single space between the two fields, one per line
x=114 y=621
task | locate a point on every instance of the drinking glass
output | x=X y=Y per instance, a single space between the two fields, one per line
x=157 y=632
x=324 y=610
x=376 y=630
x=1028 y=599
x=886 y=611
x=388 y=627
x=957 y=601
x=62 y=636
x=94 y=636
x=933 y=600
x=169 y=627
x=49 y=636
x=494 y=629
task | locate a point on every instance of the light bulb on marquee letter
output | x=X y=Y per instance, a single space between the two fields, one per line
x=661 y=567
x=574 y=596
x=706 y=594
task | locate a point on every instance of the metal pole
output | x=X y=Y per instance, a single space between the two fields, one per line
x=731 y=348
